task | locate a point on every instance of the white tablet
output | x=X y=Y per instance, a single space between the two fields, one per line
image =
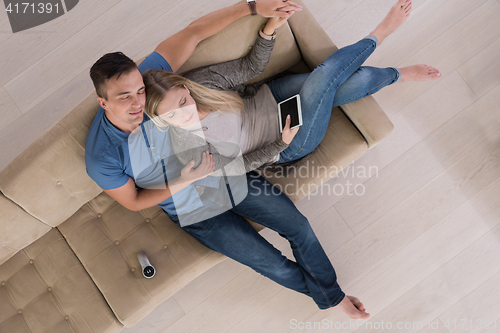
x=290 y=107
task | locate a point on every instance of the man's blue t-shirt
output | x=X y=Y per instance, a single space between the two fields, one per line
x=108 y=160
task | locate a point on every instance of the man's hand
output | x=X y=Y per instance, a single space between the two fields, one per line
x=276 y=8
x=206 y=167
x=288 y=134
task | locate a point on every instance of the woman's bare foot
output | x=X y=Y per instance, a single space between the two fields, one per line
x=419 y=73
x=352 y=307
x=394 y=19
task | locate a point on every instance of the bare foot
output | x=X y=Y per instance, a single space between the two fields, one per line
x=352 y=307
x=394 y=19
x=419 y=73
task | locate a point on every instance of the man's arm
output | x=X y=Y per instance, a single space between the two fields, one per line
x=179 y=47
x=137 y=199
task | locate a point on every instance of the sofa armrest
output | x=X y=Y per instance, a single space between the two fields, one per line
x=314 y=43
x=369 y=118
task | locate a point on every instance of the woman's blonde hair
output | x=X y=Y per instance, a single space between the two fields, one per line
x=159 y=82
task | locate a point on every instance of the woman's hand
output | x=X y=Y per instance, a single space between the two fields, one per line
x=288 y=134
x=206 y=167
x=274 y=23
x=276 y=8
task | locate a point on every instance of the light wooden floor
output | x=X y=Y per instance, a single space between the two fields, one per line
x=420 y=246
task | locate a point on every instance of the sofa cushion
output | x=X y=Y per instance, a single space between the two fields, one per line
x=44 y=288
x=342 y=145
x=49 y=179
x=19 y=229
x=106 y=238
x=235 y=41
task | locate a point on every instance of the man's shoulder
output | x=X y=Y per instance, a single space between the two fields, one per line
x=154 y=61
x=97 y=139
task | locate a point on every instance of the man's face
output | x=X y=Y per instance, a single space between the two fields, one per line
x=126 y=98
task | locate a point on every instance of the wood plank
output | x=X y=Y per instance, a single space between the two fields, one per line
x=228 y=305
x=435 y=326
x=398 y=180
x=157 y=30
x=5 y=28
x=428 y=205
x=30 y=126
x=162 y=316
x=421 y=28
x=81 y=51
x=436 y=223
x=447 y=52
x=206 y=284
x=411 y=125
x=25 y=48
x=438 y=245
x=331 y=230
x=482 y=72
x=361 y=20
x=277 y=314
x=480 y=306
x=9 y=111
x=326 y=11
x=450 y=283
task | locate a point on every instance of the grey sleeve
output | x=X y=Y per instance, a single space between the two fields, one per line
x=249 y=162
x=190 y=147
x=227 y=75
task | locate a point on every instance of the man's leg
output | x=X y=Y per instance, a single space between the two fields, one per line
x=267 y=205
x=229 y=234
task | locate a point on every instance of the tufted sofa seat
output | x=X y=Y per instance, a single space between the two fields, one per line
x=68 y=251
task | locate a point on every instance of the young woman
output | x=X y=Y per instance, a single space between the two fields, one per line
x=243 y=134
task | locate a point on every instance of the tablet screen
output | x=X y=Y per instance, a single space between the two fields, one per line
x=290 y=107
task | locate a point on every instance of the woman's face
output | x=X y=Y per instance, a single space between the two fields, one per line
x=178 y=108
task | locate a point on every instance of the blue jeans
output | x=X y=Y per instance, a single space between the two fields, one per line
x=228 y=233
x=339 y=80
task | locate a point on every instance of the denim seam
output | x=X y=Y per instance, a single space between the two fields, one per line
x=315 y=279
x=372 y=42
x=356 y=97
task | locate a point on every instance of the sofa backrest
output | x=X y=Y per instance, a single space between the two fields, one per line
x=19 y=229
x=48 y=180
x=235 y=41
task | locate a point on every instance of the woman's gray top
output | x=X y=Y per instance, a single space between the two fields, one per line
x=239 y=143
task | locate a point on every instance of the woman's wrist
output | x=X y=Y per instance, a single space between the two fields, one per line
x=269 y=31
x=267 y=34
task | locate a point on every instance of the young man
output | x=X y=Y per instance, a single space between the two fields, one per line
x=121 y=95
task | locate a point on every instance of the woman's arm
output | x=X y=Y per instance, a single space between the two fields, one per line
x=187 y=151
x=226 y=75
x=190 y=147
x=229 y=74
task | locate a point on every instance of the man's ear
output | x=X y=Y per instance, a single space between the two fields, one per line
x=102 y=102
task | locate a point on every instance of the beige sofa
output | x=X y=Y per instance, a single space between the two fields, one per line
x=68 y=251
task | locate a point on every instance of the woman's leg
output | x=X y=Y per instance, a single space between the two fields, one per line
x=365 y=81
x=318 y=92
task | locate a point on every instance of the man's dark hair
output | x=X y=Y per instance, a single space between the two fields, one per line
x=106 y=67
